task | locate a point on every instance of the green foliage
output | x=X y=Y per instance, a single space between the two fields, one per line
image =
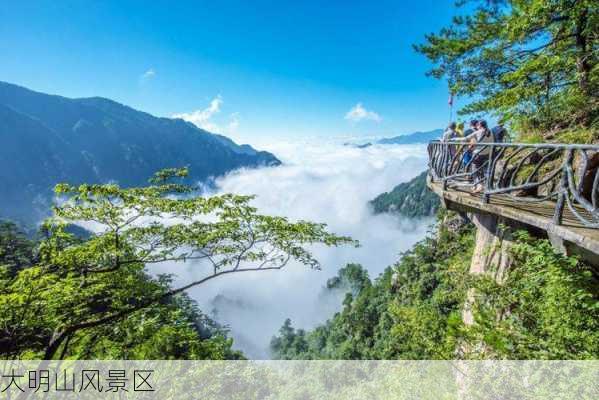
x=353 y=277
x=548 y=307
x=534 y=61
x=16 y=251
x=93 y=297
x=432 y=284
x=411 y=199
x=167 y=174
x=174 y=328
x=580 y=135
x=408 y=312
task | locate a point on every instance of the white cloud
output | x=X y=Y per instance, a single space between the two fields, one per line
x=319 y=181
x=146 y=76
x=359 y=113
x=202 y=117
x=323 y=182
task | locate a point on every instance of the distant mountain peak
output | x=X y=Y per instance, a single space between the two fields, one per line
x=414 y=138
x=47 y=139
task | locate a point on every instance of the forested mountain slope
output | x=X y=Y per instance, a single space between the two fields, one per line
x=411 y=199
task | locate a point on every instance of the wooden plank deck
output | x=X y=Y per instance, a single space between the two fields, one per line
x=539 y=215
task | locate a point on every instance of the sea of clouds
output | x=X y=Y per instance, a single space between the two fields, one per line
x=321 y=180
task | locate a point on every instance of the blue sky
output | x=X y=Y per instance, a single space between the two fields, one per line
x=246 y=68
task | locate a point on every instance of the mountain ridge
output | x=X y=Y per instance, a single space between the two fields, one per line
x=418 y=137
x=46 y=139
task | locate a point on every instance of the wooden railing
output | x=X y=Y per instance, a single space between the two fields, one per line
x=564 y=174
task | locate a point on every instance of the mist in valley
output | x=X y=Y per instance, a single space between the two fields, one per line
x=321 y=181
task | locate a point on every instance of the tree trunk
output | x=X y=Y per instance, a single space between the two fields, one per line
x=583 y=66
x=55 y=342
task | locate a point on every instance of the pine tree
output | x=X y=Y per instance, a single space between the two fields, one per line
x=533 y=61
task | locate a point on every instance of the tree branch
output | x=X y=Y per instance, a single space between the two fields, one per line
x=59 y=337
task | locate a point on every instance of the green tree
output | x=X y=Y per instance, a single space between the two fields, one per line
x=411 y=311
x=353 y=277
x=547 y=308
x=94 y=288
x=535 y=61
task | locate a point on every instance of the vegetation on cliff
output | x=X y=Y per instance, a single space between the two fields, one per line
x=410 y=311
x=547 y=309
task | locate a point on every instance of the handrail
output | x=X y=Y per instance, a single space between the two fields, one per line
x=567 y=174
x=573 y=146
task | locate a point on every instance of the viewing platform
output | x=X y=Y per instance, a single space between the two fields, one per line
x=551 y=188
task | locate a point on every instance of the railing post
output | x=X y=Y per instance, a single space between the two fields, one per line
x=443 y=168
x=563 y=190
x=443 y=148
x=559 y=206
x=489 y=176
x=432 y=154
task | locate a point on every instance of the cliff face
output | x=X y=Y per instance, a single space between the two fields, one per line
x=491 y=258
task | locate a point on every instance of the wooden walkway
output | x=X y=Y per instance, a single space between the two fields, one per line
x=536 y=214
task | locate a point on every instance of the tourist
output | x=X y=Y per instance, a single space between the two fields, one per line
x=459 y=130
x=480 y=153
x=450 y=133
x=467 y=157
x=499 y=132
x=471 y=128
